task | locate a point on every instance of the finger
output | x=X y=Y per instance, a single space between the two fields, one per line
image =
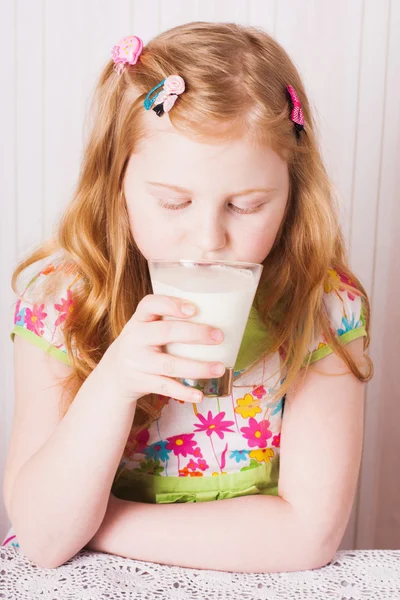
x=167 y=365
x=173 y=389
x=160 y=333
x=154 y=306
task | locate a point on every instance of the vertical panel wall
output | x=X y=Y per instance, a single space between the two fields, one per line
x=348 y=56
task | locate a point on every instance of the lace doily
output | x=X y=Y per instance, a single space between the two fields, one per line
x=352 y=575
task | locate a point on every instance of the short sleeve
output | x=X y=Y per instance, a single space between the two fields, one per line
x=41 y=309
x=346 y=312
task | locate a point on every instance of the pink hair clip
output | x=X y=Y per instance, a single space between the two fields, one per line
x=126 y=52
x=296 y=114
x=163 y=101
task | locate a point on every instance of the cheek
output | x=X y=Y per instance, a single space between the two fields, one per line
x=256 y=242
x=256 y=247
x=151 y=236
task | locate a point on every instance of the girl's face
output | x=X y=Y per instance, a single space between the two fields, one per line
x=221 y=202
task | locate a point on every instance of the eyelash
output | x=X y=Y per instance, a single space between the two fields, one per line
x=241 y=211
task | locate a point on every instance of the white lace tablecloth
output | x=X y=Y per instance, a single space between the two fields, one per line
x=351 y=575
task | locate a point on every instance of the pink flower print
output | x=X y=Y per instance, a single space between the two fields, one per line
x=182 y=445
x=256 y=434
x=259 y=392
x=19 y=315
x=276 y=441
x=64 y=308
x=214 y=424
x=136 y=443
x=34 y=319
x=202 y=464
x=197 y=453
x=142 y=438
x=350 y=293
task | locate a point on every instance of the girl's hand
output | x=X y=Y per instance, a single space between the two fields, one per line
x=136 y=363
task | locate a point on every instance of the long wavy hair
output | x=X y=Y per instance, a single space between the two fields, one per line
x=236 y=79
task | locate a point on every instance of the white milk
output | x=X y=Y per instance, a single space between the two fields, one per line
x=223 y=297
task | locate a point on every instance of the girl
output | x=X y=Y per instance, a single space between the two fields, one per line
x=202 y=147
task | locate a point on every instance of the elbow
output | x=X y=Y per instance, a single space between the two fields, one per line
x=314 y=558
x=43 y=561
x=321 y=553
x=320 y=559
x=40 y=547
x=49 y=557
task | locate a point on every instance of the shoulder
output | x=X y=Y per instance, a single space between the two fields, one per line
x=45 y=300
x=345 y=308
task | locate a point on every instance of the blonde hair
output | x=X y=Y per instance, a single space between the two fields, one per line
x=236 y=79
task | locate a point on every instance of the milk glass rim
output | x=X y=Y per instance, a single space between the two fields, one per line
x=203 y=261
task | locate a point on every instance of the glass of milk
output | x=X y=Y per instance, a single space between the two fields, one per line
x=223 y=293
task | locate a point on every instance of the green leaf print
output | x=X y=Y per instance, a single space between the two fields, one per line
x=150 y=466
x=362 y=314
x=252 y=465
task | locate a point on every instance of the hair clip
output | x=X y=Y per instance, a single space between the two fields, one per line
x=164 y=100
x=126 y=52
x=296 y=114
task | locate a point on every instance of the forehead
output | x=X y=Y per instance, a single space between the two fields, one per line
x=177 y=158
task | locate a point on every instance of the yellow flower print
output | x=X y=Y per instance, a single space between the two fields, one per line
x=262 y=455
x=248 y=406
x=332 y=281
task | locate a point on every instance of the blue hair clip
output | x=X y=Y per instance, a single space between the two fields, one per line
x=148 y=102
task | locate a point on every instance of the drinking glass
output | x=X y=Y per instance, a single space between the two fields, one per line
x=223 y=293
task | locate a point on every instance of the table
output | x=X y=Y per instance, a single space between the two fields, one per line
x=351 y=575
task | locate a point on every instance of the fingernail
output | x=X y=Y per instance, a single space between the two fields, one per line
x=188 y=309
x=218 y=369
x=197 y=396
x=217 y=335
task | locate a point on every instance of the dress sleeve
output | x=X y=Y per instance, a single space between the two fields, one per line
x=346 y=311
x=42 y=307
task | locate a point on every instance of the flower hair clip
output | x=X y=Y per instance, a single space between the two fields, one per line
x=164 y=100
x=296 y=114
x=126 y=52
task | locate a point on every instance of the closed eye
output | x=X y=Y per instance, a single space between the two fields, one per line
x=242 y=211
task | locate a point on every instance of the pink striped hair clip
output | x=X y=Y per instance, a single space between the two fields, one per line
x=296 y=112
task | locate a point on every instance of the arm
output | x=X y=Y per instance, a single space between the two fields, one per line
x=251 y=534
x=59 y=473
x=302 y=528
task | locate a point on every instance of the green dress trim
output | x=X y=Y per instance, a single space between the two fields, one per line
x=254 y=339
x=41 y=342
x=142 y=487
x=347 y=337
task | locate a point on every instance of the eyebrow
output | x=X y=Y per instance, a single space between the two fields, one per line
x=176 y=188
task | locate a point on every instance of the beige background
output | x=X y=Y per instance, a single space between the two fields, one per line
x=348 y=53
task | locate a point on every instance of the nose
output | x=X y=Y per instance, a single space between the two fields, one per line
x=209 y=235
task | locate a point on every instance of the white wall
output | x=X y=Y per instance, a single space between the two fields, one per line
x=348 y=54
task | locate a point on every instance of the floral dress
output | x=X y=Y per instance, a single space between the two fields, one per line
x=222 y=448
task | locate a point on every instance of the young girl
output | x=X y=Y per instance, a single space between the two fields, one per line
x=203 y=147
